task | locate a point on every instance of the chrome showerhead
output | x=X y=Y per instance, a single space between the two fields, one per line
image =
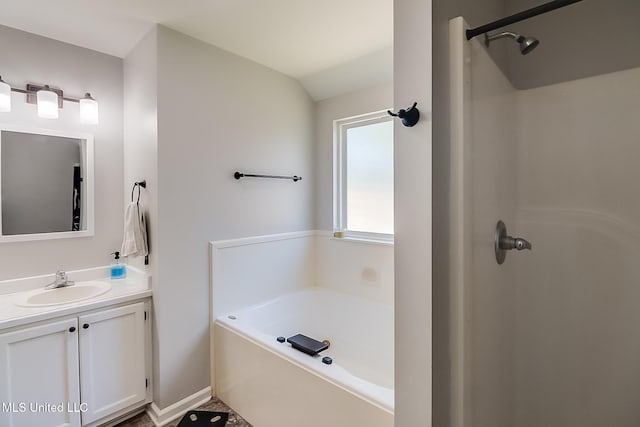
x=527 y=44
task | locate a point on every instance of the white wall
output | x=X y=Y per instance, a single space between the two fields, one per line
x=364 y=101
x=141 y=135
x=413 y=182
x=27 y=58
x=216 y=113
x=141 y=157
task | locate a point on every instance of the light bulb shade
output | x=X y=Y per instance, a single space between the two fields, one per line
x=5 y=97
x=89 y=110
x=47 y=104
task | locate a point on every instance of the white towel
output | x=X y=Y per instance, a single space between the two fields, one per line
x=134 y=241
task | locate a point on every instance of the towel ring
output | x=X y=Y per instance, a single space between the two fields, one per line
x=142 y=184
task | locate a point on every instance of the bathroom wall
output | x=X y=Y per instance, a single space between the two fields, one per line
x=363 y=101
x=28 y=58
x=216 y=113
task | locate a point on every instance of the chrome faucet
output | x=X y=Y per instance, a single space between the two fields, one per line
x=60 y=282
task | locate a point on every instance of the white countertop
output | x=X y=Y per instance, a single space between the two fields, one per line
x=137 y=285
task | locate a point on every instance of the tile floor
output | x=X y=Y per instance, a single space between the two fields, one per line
x=214 y=404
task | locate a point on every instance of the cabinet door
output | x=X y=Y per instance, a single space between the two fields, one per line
x=112 y=360
x=39 y=376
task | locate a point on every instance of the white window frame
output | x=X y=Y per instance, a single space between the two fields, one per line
x=340 y=128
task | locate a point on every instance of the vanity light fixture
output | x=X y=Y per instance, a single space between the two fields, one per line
x=49 y=101
x=88 y=109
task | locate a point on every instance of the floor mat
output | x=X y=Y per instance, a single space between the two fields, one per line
x=204 y=419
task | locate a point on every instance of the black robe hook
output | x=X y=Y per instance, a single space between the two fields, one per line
x=409 y=116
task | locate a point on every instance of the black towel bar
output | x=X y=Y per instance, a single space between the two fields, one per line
x=239 y=175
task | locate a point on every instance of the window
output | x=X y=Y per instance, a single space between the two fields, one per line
x=363 y=176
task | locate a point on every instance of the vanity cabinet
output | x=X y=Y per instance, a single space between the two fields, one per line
x=39 y=366
x=82 y=371
x=112 y=361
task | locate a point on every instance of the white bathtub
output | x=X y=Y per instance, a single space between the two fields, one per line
x=272 y=384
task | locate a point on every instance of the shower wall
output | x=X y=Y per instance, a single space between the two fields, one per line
x=493 y=188
x=484 y=190
x=577 y=297
x=549 y=338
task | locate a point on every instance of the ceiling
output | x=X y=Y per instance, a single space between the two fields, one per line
x=296 y=37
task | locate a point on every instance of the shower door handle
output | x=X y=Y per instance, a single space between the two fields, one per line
x=504 y=242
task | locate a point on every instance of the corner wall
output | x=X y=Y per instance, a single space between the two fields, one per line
x=141 y=158
x=412 y=77
x=141 y=135
x=28 y=58
x=217 y=113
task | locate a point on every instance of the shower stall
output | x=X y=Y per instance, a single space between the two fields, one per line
x=549 y=337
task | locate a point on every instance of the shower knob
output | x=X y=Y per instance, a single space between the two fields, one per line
x=507 y=243
x=521 y=244
x=504 y=242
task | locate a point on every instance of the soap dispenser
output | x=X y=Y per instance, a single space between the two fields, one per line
x=118 y=269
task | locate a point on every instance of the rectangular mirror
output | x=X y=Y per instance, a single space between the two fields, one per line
x=46 y=184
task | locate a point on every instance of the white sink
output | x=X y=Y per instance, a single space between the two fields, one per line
x=65 y=295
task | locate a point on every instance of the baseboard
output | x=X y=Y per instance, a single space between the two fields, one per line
x=161 y=417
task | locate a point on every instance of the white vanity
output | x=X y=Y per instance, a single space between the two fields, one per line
x=81 y=363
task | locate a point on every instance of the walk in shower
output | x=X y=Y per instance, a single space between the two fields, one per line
x=550 y=337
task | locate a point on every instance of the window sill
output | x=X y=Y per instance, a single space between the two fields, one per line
x=368 y=240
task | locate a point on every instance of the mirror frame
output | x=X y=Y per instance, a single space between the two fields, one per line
x=87 y=179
